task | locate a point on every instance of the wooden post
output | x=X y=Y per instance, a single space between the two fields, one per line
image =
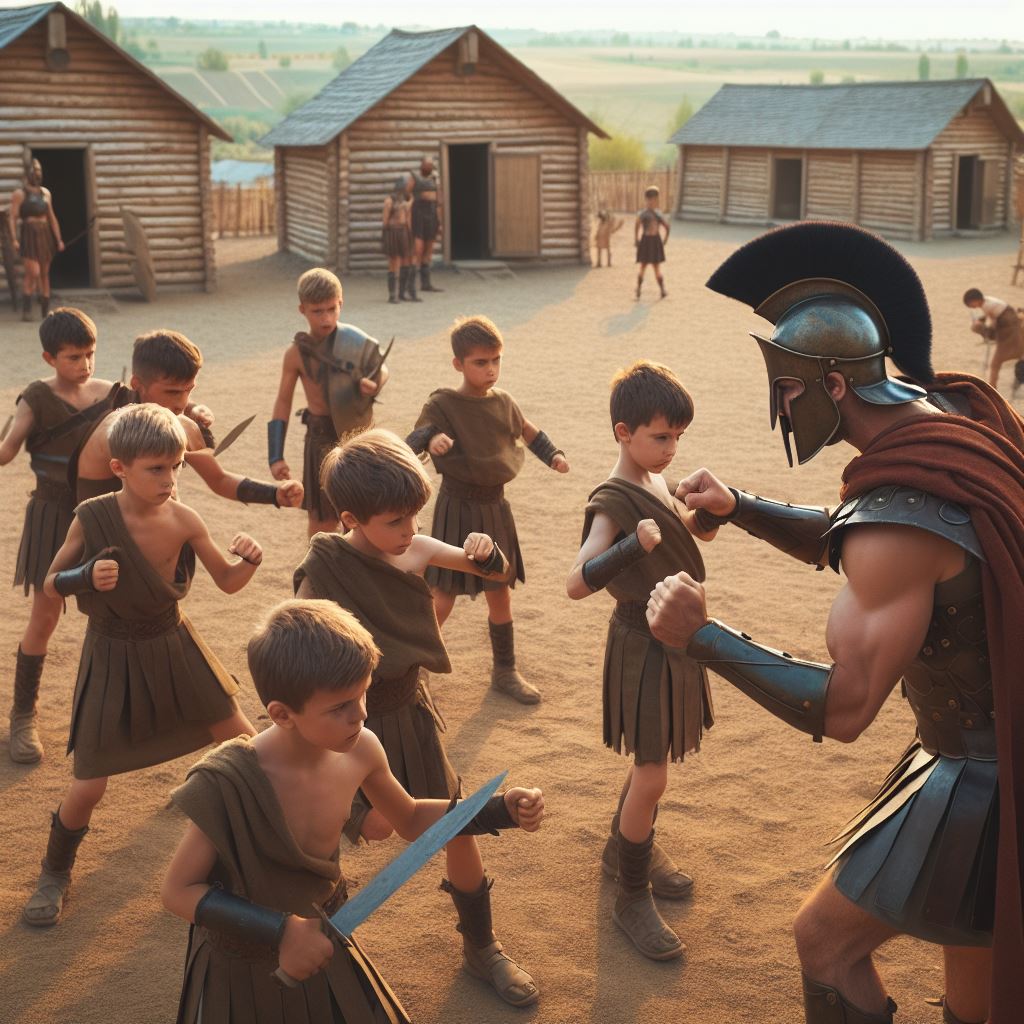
x=583 y=206
x=280 y=210
x=344 y=200
x=332 y=203
x=92 y=218
x=238 y=210
x=682 y=173
x=723 y=192
x=206 y=212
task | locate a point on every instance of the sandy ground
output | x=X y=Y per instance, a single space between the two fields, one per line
x=748 y=817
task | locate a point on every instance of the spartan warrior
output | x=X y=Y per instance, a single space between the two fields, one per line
x=38 y=239
x=929 y=536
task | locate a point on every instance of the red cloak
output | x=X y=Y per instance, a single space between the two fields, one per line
x=979 y=463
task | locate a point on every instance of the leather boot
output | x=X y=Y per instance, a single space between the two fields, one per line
x=824 y=1005
x=403 y=282
x=425 y=283
x=44 y=306
x=411 y=286
x=482 y=952
x=639 y=285
x=635 y=912
x=392 y=286
x=46 y=903
x=667 y=881
x=25 y=747
x=504 y=676
x=26 y=307
x=661 y=285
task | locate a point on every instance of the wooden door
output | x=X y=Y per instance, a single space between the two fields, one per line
x=988 y=198
x=516 y=204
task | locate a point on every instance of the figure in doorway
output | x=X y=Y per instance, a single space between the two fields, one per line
x=396 y=241
x=650 y=246
x=426 y=221
x=39 y=238
x=607 y=225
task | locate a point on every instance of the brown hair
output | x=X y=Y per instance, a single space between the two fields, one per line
x=145 y=431
x=165 y=354
x=374 y=472
x=319 y=285
x=304 y=647
x=66 y=327
x=645 y=390
x=973 y=295
x=470 y=332
x=652 y=192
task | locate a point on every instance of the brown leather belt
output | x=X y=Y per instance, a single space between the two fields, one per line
x=51 y=490
x=388 y=695
x=317 y=424
x=136 y=629
x=471 y=492
x=632 y=614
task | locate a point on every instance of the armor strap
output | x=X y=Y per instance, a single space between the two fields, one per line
x=790 y=689
x=496 y=564
x=69 y=582
x=239 y=919
x=494 y=816
x=600 y=570
x=798 y=530
x=544 y=448
x=420 y=438
x=252 y=492
x=276 y=430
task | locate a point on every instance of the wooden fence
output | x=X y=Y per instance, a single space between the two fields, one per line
x=243 y=210
x=623 y=191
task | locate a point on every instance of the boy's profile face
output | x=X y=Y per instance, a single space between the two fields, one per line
x=171 y=394
x=480 y=368
x=652 y=446
x=390 y=533
x=73 y=364
x=149 y=478
x=321 y=316
x=329 y=720
x=975 y=303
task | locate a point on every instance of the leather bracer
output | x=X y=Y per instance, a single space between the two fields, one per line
x=790 y=689
x=493 y=817
x=69 y=582
x=600 y=570
x=240 y=919
x=421 y=437
x=276 y=429
x=252 y=492
x=495 y=564
x=798 y=530
x=544 y=448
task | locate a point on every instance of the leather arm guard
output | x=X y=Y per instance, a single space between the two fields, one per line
x=69 y=582
x=240 y=919
x=543 y=447
x=493 y=817
x=421 y=437
x=276 y=429
x=252 y=492
x=600 y=570
x=798 y=530
x=790 y=689
x=496 y=564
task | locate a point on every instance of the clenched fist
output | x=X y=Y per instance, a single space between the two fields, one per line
x=289 y=494
x=440 y=444
x=247 y=549
x=526 y=807
x=304 y=947
x=704 y=490
x=279 y=470
x=478 y=547
x=677 y=609
x=104 y=574
x=648 y=534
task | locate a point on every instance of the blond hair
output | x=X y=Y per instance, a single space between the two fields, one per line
x=303 y=647
x=470 y=332
x=374 y=472
x=319 y=285
x=140 y=431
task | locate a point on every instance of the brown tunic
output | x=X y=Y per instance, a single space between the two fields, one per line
x=57 y=429
x=397 y=609
x=148 y=688
x=657 y=701
x=487 y=454
x=230 y=798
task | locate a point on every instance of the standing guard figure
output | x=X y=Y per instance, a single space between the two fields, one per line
x=426 y=221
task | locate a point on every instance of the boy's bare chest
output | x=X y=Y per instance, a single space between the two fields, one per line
x=159 y=540
x=316 y=810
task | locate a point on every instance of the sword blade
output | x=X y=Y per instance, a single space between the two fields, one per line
x=233 y=435
x=403 y=867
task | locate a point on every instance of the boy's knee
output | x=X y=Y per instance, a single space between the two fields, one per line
x=814 y=939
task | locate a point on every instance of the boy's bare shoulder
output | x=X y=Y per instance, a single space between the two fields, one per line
x=193 y=434
x=98 y=389
x=366 y=756
x=185 y=517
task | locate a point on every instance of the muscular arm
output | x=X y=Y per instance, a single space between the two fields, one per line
x=20 y=429
x=54 y=226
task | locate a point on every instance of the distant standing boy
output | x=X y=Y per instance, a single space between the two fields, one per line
x=996 y=321
x=148 y=688
x=341 y=370
x=607 y=225
x=656 y=699
x=375 y=571
x=650 y=246
x=475 y=436
x=50 y=418
x=266 y=816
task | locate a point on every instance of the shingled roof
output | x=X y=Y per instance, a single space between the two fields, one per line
x=381 y=70
x=16 y=21
x=864 y=115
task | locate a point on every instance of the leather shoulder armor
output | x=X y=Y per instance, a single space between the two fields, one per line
x=903 y=506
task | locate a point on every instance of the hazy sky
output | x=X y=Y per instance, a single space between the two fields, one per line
x=826 y=18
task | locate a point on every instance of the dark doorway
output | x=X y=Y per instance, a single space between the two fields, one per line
x=64 y=176
x=786 y=200
x=967 y=188
x=469 y=201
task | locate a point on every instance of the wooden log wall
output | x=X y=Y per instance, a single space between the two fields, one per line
x=146 y=149
x=747 y=178
x=700 y=187
x=305 y=202
x=623 y=191
x=243 y=210
x=831 y=185
x=973 y=133
x=890 y=193
x=438 y=105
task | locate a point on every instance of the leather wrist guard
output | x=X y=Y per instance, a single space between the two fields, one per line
x=240 y=919
x=252 y=492
x=798 y=530
x=790 y=689
x=69 y=582
x=276 y=429
x=543 y=447
x=496 y=564
x=493 y=817
x=421 y=437
x=600 y=570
